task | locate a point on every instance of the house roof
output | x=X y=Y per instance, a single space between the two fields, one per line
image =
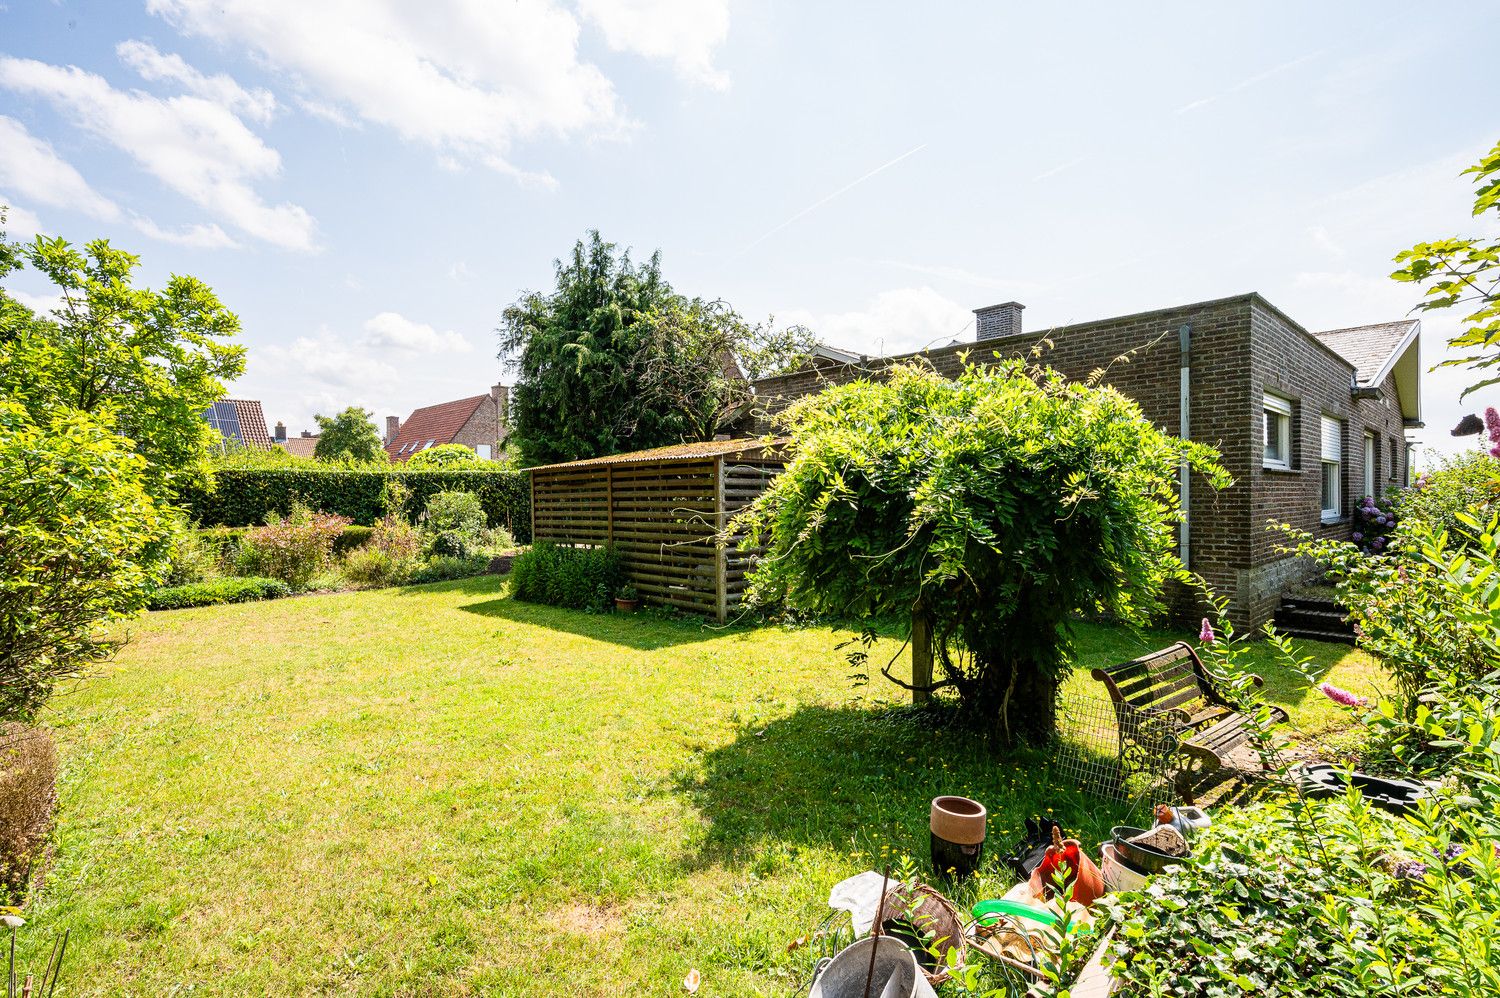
x=436 y=423
x=240 y=420
x=1374 y=349
x=301 y=446
x=675 y=452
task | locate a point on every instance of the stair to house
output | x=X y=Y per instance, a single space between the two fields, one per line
x=1314 y=618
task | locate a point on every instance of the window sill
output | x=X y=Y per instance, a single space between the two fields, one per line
x=1333 y=521
x=1277 y=469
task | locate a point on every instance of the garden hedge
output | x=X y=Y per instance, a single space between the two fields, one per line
x=243 y=497
x=217 y=591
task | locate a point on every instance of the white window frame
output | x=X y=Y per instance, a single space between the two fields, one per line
x=1281 y=410
x=483 y=450
x=1372 y=448
x=1331 y=460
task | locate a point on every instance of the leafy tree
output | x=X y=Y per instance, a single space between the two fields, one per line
x=146 y=362
x=81 y=543
x=443 y=456
x=613 y=359
x=1466 y=273
x=575 y=349
x=350 y=436
x=992 y=507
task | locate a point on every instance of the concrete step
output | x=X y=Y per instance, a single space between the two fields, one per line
x=1333 y=637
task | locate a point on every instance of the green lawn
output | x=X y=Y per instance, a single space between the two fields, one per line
x=439 y=791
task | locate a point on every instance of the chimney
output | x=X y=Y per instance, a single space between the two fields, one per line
x=995 y=321
x=280 y=436
x=392 y=427
x=501 y=395
x=307 y=434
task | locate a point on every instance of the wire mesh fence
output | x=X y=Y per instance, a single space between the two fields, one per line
x=1115 y=751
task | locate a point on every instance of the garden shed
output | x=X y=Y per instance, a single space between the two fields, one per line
x=661 y=509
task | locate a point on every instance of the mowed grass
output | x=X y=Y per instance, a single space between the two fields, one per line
x=440 y=791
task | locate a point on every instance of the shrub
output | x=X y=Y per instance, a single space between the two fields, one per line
x=28 y=797
x=81 y=543
x=233 y=589
x=443 y=568
x=242 y=497
x=579 y=578
x=1375 y=520
x=454 y=525
x=352 y=537
x=442 y=456
x=294 y=549
x=371 y=567
x=1468 y=483
x=192 y=558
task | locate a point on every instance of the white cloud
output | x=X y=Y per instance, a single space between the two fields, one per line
x=29 y=166
x=459 y=272
x=325 y=362
x=19 y=223
x=196 y=147
x=394 y=331
x=208 y=236
x=467 y=78
x=43 y=305
x=258 y=104
x=684 y=32
x=896 y=321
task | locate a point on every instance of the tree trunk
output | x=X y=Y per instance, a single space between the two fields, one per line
x=1013 y=700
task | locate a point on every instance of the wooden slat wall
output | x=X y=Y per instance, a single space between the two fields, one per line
x=662 y=518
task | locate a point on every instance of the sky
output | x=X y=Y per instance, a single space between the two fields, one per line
x=368 y=183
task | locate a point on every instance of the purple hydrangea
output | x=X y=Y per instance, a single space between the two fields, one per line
x=1357 y=536
x=1410 y=869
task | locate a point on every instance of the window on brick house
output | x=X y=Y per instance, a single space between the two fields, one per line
x=1278 y=430
x=1332 y=467
x=1390 y=471
x=483 y=450
x=1370 y=451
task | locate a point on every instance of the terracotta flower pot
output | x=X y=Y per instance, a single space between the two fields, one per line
x=627 y=605
x=957 y=825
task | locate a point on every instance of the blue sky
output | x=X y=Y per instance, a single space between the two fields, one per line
x=367 y=183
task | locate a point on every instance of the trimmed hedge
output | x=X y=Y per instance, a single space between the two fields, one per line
x=216 y=591
x=243 y=497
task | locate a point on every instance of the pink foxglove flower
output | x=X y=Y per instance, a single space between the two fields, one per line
x=1343 y=697
x=1206 y=632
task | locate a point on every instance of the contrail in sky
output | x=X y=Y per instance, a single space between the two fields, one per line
x=820 y=203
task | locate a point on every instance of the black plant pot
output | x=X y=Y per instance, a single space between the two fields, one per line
x=954 y=859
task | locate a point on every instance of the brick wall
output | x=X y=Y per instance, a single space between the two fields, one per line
x=486 y=427
x=1241 y=347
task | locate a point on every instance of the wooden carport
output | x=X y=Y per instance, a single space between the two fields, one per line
x=661 y=509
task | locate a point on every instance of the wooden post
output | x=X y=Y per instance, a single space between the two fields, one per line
x=609 y=503
x=921 y=656
x=721 y=556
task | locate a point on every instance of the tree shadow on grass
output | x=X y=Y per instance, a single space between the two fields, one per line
x=854 y=778
x=644 y=631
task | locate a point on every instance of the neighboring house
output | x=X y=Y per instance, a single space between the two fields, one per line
x=241 y=421
x=1307 y=423
x=479 y=423
x=303 y=446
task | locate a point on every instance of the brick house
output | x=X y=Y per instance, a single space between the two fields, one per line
x=305 y=445
x=479 y=422
x=1307 y=423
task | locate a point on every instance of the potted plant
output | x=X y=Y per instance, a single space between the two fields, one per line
x=627 y=600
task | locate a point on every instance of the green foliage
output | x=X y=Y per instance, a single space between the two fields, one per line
x=443 y=456
x=1464 y=483
x=81 y=543
x=233 y=589
x=613 y=359
x=147 y=363
x=191 y=556
x=371 y=568
x=578 y=578
x=1466 y=273
x=243 y=498
x=454 y=524
x=294 y=549
x=442 y=568
x=997 y=505
x=349 y=437
x=351 y=537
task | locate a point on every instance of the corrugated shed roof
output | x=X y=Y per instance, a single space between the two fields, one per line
x=675 y=452
x=1371 y=349
x=439 y=423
